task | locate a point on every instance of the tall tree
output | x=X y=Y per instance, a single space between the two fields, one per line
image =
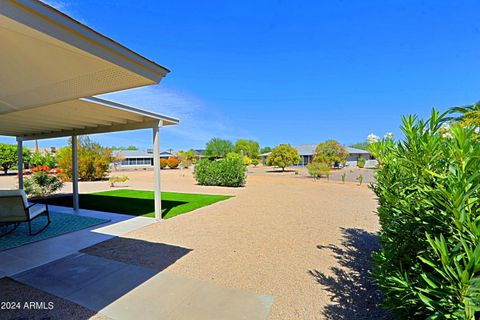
x=330 y=152
x=248 y=148
x=9 y=156
x=283 y=156
x=218 y=148
x=265 y=150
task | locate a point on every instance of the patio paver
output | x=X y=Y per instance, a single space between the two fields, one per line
x=123 y=291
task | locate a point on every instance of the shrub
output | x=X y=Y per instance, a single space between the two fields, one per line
x=117 y=179
x=344 y=176
x=428 y=188
x=42 y=184
x=360 y=179
x=93 y=160
x=163 y=163
x=173 y=162
x=318 y=169
x=283 y=156
x=361 y=162
x=45 y=159
x=255 y=162
x=247 y=161
x=229 y=172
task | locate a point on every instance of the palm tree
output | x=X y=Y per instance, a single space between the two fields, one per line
x=465 y=112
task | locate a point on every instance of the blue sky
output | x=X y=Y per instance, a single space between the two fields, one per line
x=291 y=71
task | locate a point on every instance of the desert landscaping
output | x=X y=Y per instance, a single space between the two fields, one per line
x=280 y=235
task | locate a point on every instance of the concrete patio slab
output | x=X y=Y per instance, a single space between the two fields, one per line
x=123 y=291
x=45 y=251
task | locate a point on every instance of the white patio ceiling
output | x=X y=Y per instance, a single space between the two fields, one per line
x=78 y=117
x=46 y=57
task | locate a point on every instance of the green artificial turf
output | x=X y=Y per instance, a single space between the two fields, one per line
x=138 y=202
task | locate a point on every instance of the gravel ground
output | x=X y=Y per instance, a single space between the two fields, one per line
x=306 y=243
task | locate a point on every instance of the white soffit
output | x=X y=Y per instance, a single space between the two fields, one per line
x=46 y=57
x=78 y=117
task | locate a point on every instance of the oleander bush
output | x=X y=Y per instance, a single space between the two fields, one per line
x=228 y=172
x=428 y=188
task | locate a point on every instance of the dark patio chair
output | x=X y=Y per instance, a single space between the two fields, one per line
x=15 y=209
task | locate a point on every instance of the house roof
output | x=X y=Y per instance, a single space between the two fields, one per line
x=356 y=151
x=309 y=150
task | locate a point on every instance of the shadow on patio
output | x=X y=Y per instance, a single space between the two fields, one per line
x=145 y=254
x=353 y=293
x=95 y=280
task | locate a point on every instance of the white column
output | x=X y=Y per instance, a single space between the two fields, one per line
x=20 y=163
x=75 y=174
x=156 y=171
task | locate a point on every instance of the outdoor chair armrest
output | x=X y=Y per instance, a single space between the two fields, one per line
x=37 y=203
x=34 y=204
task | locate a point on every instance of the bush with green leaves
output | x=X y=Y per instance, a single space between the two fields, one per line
x=43 y=159
x=283 y=156
x=330 y=152
x=318 y=169
x=93 y=160
x=229 y=172
x=42 y=184
x=428 y=188
x=361 y=162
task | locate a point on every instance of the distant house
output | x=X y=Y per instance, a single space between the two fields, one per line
x=307 y=151
x=133 y=159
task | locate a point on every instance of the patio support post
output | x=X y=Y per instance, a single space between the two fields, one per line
x=156 y=170
x=75 y=174
x=20 y=163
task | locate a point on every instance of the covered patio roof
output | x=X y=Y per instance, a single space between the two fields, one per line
x=48 y=57
x=78 y=117
x=51 y=66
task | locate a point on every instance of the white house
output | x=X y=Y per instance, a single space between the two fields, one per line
x=136 y=159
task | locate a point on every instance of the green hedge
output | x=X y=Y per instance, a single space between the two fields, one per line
x=428 y=191
x=230 y=172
